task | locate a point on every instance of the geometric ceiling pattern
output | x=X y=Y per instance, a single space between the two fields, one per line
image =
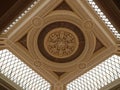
x=104 y=18
x=61 y=40
x=99 y=76
x=18 y=72
x=20 y=16
x=91 y=2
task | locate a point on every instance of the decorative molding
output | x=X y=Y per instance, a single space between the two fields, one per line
x=9 y=85
x=118 y=49
x=63 y=6
x=23 y=41
x=37 y=22
x=2 y=43
x=37 y=63
x=88 y=24
x=77 y=39
x=61 y=43
x=59 y=74
x=82 y=65
x=46 y=27
x=99 y=45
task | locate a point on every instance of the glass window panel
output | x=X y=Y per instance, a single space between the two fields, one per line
x=99 y=76
x=104 y=18
x=18 y=72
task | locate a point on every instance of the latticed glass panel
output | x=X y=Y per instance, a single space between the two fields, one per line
x=18 y=72
x=103 y=74
x=20 y=16
x=104 y=18
x=91 y=2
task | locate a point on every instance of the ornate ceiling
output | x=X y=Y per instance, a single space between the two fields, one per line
x=111 y=8
x=9 y=10
x=61 y=40
x=5 y=86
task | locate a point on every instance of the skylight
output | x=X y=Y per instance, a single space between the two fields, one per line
x=104 y=18
x=103 y=74
x=18 y=72
x=93 y=5
x=20 y=16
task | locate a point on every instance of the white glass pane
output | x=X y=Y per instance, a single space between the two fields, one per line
x=104 y=18
x=18 y=72
x=99 y=76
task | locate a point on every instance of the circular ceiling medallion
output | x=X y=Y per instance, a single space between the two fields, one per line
x=37 y=21
x=61 y=43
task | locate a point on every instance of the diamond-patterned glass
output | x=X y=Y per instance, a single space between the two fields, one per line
x=104 y=18
x=20 y=16
x=103 y=74
x=18 y=72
